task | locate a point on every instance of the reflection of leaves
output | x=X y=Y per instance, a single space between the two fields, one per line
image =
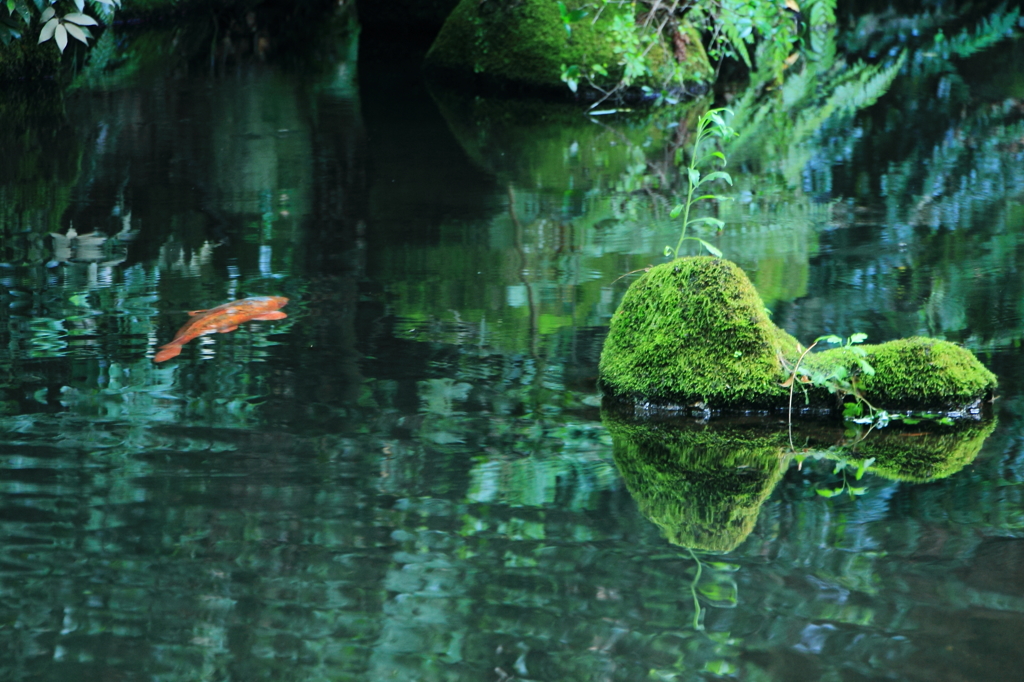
x=440 y=395
x=719 y=594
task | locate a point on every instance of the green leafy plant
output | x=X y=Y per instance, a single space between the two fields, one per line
x=570 y=17
x=711 y=125
x=753 y=32
x=836 y=380
x=842 y=466
x=70 y=22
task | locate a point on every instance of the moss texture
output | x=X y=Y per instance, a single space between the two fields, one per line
x=526 y=43
x=702 y=485
x=25 y=60
x=916 y=373
x=925 y=452
x=695 y=330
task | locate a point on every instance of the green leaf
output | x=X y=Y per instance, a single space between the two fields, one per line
x=81 y=19
x=694 y=176
x=10 y=7
x=852 y=410
x=47 y=14
x=48 y=29
x=676 y=210
x=708 y=220
x=715 y=175
x=828 y=493
x=719 y=197
x=668 y=251
x=723 y=566
x=858 y=337
x=577 y=14
x=721 y=667
x=76 y=33
x=711 y=249
x=60 y=35
x=858 y=491
x=721 y=594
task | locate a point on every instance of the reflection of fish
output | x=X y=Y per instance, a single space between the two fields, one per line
x=223 y=318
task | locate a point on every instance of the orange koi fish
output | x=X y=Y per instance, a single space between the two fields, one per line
x=224 y=318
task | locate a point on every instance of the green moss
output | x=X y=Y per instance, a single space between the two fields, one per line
x=695 y=330
x=926 y=453
x=526 y=42
x=702 y=485
x=26 y=60
x=916 y=373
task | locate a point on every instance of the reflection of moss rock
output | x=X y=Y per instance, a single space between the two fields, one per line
x=695 y=330
x=926 y=453
x=915 y=373
x=549 y=145
x=527 y=43
x=702 y=485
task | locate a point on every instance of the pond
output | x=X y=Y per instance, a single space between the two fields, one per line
x=411 y=476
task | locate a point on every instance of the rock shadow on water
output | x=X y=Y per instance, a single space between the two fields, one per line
x=703 y=482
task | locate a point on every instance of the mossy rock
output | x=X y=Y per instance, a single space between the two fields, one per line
x=26 y=60
x=703 y=485
x=526 y=43
x=914 y=374
x=924 y=452
x=695 y=332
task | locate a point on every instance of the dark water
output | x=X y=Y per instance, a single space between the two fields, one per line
x=411 y=477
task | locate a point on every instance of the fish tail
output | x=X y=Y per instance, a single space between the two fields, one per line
x=167 y=352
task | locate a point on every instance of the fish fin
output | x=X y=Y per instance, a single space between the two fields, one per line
x=276 y=315
x=167 y=352
x=193 y=313
x=225 y=330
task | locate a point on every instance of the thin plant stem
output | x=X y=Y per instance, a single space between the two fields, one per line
x=693 y=591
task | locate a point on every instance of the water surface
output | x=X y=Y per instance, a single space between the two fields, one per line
x=411 y=476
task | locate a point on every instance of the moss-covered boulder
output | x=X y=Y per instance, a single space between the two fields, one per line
x=913 y=374
x=703 y=485
x=526 y=43
x=694 y=332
